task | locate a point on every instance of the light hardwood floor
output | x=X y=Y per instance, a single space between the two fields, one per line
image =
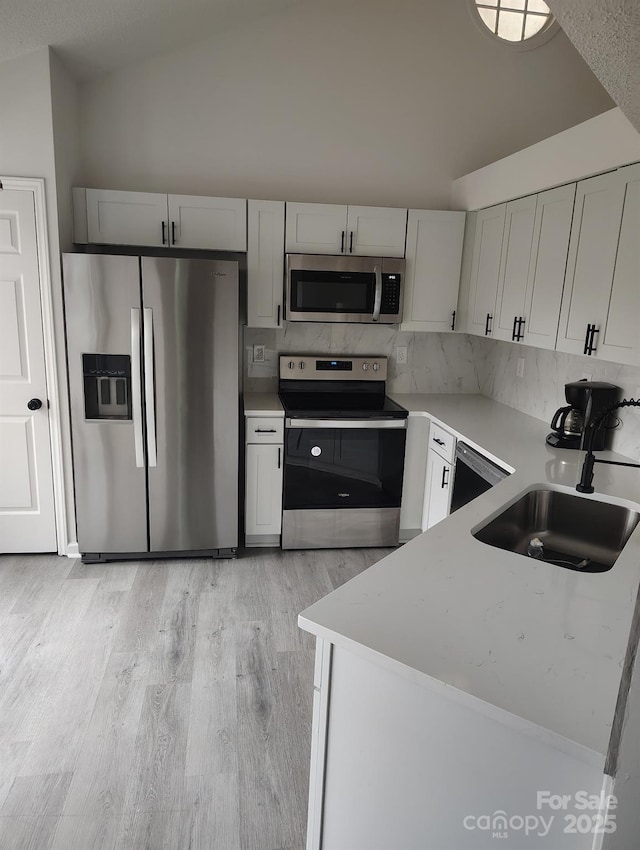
x=159 y=705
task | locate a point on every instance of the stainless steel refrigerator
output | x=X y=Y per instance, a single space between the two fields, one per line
x=152 y=347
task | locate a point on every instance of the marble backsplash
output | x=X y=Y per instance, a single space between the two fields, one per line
x=451 y=363
x=440 y=363
x=540 y=391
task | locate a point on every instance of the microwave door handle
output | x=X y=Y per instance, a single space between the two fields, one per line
x=149 y=387
x=377 y=303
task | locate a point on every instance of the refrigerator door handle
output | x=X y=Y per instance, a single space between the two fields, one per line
x=136 y=388
x=149 y=387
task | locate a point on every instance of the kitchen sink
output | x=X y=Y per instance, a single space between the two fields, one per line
x=576 y=533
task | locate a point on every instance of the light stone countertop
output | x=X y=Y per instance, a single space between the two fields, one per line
x=531 y=641
x=262 y=404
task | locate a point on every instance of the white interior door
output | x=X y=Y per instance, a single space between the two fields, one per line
x=27 y=516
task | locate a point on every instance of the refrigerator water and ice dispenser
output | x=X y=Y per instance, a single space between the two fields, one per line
x=107 y=386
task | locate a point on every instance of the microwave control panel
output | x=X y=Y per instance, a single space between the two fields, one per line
x=390 y=305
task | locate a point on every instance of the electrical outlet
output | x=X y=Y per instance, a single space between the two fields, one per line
x=401 y=354
x=520 y=367
x=258 y=353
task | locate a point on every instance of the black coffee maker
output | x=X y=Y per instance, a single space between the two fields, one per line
x=586 y=401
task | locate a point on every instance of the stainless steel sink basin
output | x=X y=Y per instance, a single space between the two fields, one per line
x=576 y=533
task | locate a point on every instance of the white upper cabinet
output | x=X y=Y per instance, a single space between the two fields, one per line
x=532 y=268
x=376 y=231
x=600 y=303
x=146 y=218
x=485 y=270
x=201 y=222
x=316 y=228
x=126 y=218
x=620 y=337
x=547 y=266
x=514 y=268
x=265 y=263
x=338 y=229
x=432 y=277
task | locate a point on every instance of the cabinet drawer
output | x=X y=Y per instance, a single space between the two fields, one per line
x=265 y=429
x=442 y=442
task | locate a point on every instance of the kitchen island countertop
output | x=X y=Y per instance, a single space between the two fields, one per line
x=526 y=639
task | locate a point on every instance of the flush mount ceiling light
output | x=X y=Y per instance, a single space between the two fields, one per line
x=521 y=24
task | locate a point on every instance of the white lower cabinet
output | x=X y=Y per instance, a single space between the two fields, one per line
x=439 y=480
x=402 y=761
x=413 y=482
x=263 y=483
x=438 y=497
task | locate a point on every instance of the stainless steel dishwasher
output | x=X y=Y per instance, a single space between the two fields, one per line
x=474 y=474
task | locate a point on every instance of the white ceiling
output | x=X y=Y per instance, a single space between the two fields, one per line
x=96 y=36
x=607 y=35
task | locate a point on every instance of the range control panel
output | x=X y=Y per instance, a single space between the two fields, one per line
x=340 y=368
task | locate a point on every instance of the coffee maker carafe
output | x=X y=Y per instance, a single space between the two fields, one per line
x=586 y=401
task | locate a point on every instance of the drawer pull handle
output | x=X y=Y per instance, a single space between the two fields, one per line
x=265 y=431
x=439 y=442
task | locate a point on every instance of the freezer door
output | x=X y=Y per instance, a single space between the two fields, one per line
x=191 y=360
x=103 y=317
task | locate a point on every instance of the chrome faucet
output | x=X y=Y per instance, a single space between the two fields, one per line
x=585 y=484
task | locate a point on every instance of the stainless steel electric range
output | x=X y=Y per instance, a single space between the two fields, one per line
x=343 y=454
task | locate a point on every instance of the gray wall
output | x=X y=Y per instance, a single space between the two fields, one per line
x=363 y=101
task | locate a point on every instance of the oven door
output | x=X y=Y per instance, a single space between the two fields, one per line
x=343 y=464
x=342 y=483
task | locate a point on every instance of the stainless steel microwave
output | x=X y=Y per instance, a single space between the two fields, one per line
x=323 y=288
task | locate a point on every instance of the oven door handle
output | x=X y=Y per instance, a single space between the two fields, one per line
x=369 y=424
x=377 y=304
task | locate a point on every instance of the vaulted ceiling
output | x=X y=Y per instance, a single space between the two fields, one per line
x=607 y=35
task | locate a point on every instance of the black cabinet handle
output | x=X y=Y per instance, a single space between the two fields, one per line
x=487 y=329
x=439 y=442
x=513 y=332
x=586 y=340
x=592 y=346
x=453 y=321
x=173 y=232
x=34 y=404
x=342 y=243
x=351 y=243
x=265 y=431
x=164 y=236
x=279 y=450
x=278 y=320
x=520 y=332
x=445 y=476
